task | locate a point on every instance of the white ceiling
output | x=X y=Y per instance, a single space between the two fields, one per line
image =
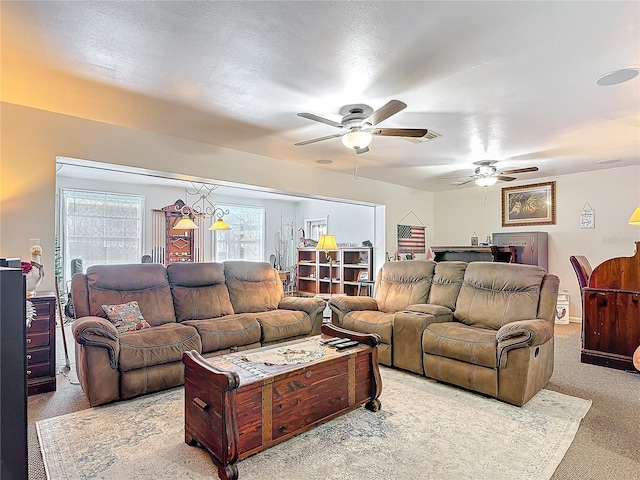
x=506 y=81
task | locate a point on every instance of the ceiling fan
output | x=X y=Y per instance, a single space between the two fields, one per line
x=486 y=174
x=358 y=125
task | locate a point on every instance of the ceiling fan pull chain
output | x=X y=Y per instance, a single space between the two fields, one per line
x=355 y=168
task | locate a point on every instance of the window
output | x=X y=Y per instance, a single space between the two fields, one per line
x=101 y=228
x=245 y=240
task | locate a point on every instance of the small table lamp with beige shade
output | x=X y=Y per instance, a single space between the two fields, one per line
x=327 y=243
x=635 y=220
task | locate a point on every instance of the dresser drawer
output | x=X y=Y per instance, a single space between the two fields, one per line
x=39 y=324
x=37 y=339
x=39 y=370
x=37 y=355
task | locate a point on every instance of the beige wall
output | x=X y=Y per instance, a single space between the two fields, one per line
x=613 y=193
x=31 y=140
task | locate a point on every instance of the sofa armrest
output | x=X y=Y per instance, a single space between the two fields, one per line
x=309 y=305
x=98 y=332
x=430 y=309
x=342 y=305
x=521 y=334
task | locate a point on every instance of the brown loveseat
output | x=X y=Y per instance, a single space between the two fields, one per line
x=213 y=308
x=484 y=326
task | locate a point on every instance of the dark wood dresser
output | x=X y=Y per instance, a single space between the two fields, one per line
x=41 y=345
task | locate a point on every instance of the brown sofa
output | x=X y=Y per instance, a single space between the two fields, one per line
x=213 y=308
x=484 y=326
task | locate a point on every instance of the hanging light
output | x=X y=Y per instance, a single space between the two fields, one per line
x=219 y=224
x=486 y=181
x=202 y=208
x=185 y=223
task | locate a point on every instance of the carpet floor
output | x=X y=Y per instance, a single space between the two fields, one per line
x=424 y=430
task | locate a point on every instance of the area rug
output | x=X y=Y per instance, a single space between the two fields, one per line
x=425 y=430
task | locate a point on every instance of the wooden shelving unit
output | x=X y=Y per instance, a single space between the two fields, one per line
x=347 y=265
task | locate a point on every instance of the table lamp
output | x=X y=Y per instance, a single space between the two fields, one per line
x=327 y=243
x=635 y=217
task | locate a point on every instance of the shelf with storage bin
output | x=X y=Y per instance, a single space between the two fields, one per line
x=347 y=266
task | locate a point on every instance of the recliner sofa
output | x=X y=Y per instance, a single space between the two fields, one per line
x=213 y=308
x=484 y=326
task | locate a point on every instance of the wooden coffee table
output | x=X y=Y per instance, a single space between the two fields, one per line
x=236 y=407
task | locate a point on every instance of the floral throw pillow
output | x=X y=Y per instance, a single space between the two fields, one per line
x=126 y=317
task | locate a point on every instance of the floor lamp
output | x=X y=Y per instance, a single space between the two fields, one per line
x=327 y=243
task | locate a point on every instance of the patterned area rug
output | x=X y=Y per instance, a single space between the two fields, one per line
x=424 y=430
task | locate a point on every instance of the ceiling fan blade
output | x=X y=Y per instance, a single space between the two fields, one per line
x=463 y=183
x=390 y=108
x=361 y=150
x=506 y=179
x=316 y=118
x=400 y=132
x=520 y=170
x=307 y=142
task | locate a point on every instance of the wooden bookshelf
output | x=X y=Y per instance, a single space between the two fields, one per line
x=347 y=265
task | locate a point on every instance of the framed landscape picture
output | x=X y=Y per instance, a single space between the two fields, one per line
x=529 y=205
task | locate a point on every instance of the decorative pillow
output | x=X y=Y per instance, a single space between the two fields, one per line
x=126 y=317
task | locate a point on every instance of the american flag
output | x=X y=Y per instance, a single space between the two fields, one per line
x=410 y=239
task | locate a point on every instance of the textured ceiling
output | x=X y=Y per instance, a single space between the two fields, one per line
x=505 y=81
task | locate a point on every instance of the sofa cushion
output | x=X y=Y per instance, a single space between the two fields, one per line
x=145 y=283
x=199 y=290
x=368 y=321
x=126 y=317
x=227 y=332
x=474 y=345
x=494 y=294
x=281 y=324
x=403 y=283
x=446 y=283
x=253 y=286
x=157 y=345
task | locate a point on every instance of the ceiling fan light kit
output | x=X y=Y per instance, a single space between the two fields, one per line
x=357 y=139
x=486 y=181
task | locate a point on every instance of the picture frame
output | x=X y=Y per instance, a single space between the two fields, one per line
x=363 y=276
x=525 y=205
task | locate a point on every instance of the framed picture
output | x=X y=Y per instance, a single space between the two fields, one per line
x=363 y=276
x=529 y=205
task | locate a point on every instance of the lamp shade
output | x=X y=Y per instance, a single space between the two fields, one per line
x=486 y=181
x=357 y=139
x=635 y=217
x=327 y=242
x=185 y=223
x=219 y=224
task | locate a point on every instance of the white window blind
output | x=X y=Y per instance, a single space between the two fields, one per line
x=245 y=240
x=101 y=228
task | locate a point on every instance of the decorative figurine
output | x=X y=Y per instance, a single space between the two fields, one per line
x=34 y=270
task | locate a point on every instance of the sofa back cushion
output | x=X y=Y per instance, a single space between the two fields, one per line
x=400 y=284
x=199 y=290
x=494 y=294
x=253 y=286
x=446 y=283
x=145 y=283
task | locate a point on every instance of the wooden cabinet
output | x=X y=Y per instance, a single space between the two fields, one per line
x=41 y=345
x=347 y=265
x=13 y=383
x=611 y=327
x=170 y=245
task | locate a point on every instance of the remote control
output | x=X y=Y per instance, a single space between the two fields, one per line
x=338 y=341
x=348 y=344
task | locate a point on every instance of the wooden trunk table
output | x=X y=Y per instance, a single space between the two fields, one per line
x=236 y=407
